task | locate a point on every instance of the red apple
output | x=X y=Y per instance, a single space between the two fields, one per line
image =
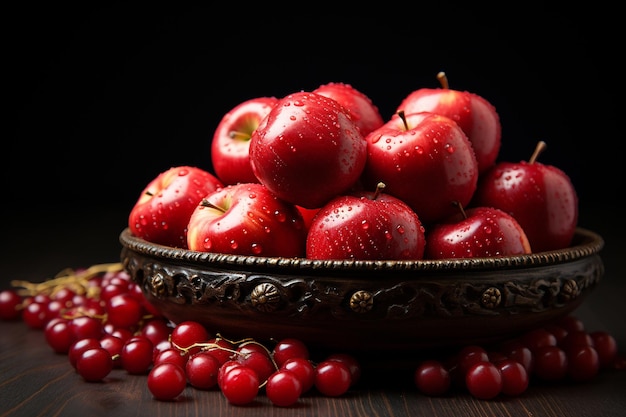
x=247 y=219
x=473 y=113
x=162 y=211
x=363 y=111
x=425 y=160
x=231 y=140
x=366 y=225
x=541 y=197
x=308 y=149
x=476 y=232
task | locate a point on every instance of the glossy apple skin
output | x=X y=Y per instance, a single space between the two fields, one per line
x=428 y=166
x=481 y=232
x=230 y=152
x=362 y=109
x=541 y=197
x=162 y=211
x=308 y=150
x=251 y=221
x=363 y=227
x=476 y=116
x=454 y=104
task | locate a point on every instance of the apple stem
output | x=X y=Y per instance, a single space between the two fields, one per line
x=402 y=116
x=234 y=134
x=443 y=80
x=541 y=146
x=206 y=203
x=461 y=209
x=379 y=189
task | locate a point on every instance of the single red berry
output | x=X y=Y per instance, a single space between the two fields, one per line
x=515 y=378
x=59 y=336
x=550 y=363
x=583 y=363
x=483 y=380
x=351 y=361
x=303 y=369
x=137 y=355
x=94 y=364
x=606 y=346
x=10 y=301
x=202 y=369
x=166 y=381
x=332 y=378
x=289 y=348
x=79 y=346
x=187 y=333
x=124 y=311
x=432 y=378
x=240 y=385
x=283 y=388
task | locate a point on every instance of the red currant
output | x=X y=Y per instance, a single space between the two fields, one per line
x=59 y=336
x=124 y=311
x=166 y=381
x=260 y=362
x=483 y=380
x=432 y=378
x=332 y=378
x=606 y=346
x=303 y=369
x=289 y=348
x=94 y=364
x=240 y=385
x=202 y=369
x=10 y=301
x=515 y=378
x=351 y=361
x=583 y=363
x=283 y=388
x=137 y=355
x=550 y=363
x=188 y=333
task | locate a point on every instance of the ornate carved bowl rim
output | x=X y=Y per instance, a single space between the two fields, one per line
x=585 y=243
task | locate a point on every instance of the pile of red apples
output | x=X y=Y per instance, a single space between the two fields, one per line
x=322 y=175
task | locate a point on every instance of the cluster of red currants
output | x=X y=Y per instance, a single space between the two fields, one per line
x=99 y=318
x=563 y=350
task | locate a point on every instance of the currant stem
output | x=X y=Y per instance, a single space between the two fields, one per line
x=541 y=146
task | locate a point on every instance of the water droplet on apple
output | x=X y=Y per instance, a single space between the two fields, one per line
x=298 y=103
x=449 y=148
x=256 y=249
x=280 y=216
x=234 y=245
x=365 y=225
x=207 y=244
x=267 y=230
x=388 y=235
x=292 y=117
x=400 y=229
x=252 y=195
x=182 y=172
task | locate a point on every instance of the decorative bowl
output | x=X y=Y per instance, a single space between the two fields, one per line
x=366 y=306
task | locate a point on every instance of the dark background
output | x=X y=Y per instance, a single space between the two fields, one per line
x=104 y=98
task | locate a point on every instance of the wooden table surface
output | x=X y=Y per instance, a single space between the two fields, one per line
x=34 y=381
